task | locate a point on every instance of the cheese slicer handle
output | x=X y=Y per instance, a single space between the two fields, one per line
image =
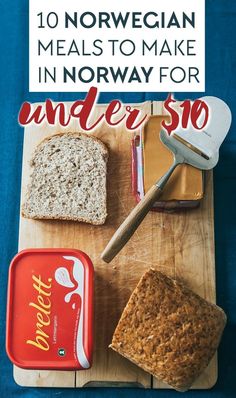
x=134 y=219
x=131 y=223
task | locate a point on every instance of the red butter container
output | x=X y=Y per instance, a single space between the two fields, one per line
x=50 y=310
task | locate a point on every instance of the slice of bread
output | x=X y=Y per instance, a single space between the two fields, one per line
x=68 y=180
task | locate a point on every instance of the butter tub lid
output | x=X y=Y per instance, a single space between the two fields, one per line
x=50 y=309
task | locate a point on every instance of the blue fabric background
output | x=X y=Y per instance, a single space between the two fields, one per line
x=220 y=81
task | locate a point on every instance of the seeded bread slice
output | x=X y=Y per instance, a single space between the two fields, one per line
x=168 y=330
x=68 y=180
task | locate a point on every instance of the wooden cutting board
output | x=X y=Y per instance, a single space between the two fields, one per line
x=181 y=245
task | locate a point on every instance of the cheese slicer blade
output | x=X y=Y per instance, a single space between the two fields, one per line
x=197 y=148
x=201 y=148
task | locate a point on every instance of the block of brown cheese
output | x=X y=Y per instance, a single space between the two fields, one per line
x=168 y=330
x=186 y=183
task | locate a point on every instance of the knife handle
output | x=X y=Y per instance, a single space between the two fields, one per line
x=131 y=223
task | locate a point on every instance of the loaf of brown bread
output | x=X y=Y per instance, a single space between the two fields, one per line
x=168 y=330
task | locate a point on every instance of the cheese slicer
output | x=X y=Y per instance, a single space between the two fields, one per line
x=200 y=149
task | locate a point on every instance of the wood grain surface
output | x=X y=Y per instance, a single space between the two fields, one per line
x=181 y=245
x=130 y=224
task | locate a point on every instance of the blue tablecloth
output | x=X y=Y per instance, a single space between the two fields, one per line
x=220 y=81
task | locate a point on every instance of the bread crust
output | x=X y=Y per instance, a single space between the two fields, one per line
x=79 y=219
x=168 y=330
x=105 y=154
